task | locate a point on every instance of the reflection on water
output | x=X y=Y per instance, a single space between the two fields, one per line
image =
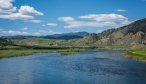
x=90 y=67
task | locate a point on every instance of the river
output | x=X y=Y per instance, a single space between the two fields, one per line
x=88 y=67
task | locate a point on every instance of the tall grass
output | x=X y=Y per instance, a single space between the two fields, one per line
x=14 y=53
x=138 y=55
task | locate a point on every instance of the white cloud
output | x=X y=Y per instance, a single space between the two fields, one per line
x=104 y=17
x=72 y=23
x=6 y=7
x=27 y=10
x=65 y=19
x=17 y=16
x=25 y=28
x=52 y=24
x=12 y=32
x=9 y=11
x=121 y=10
x=95 y=20
x=26 y=33
x=36 y=21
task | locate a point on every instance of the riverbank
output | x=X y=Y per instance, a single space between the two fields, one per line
x=138 y=55
x=15 y=53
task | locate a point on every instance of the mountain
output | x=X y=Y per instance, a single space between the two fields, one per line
x=132 y=35
x=66 y=36
x=72 y=35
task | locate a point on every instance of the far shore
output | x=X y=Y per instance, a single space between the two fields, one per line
x=137 y=55
x=14 y=51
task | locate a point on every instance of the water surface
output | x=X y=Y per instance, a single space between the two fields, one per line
x=88 y=67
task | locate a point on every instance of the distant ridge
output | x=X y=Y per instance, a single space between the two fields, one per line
x=72 y=35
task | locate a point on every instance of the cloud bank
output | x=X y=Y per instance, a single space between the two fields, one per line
x=95 y=20
x=25 y=12
x=26 y=33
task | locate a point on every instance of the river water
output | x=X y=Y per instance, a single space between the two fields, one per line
x=88 y=67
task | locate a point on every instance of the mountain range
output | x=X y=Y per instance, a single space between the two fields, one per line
x=72 y=35
x=65 y=36
x=130 y=36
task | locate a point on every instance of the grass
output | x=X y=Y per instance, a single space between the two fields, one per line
x=15 y=53
x=138 y=55
x=70 y=51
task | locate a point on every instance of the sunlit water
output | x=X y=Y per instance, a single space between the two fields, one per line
x=89 y=67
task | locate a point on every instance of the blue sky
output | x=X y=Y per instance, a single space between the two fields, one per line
x=43 y=17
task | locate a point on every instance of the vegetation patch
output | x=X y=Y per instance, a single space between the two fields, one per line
x=14 y=53
x=138 y=55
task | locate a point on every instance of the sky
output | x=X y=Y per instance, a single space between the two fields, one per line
x=46 y=17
